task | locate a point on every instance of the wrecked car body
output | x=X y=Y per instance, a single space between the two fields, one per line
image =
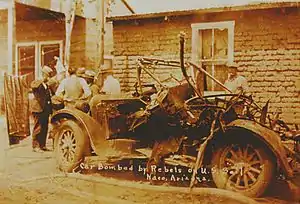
x=176 y=125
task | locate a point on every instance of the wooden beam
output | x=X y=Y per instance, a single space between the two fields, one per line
x=11 y=24
x=128 y=6
x=198 y=11
x=69 y=20
x=100 y=20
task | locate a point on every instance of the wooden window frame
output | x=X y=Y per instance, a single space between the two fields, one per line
x=38 y=48
x=197 y=42
x=20 y=44
x=48 y=42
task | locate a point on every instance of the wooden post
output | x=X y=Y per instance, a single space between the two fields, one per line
x=69 y=19
x=102 y=32
x=11 y=26
x=100 y=22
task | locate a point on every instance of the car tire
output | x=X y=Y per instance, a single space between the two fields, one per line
x=71 y=146
x=245 y=167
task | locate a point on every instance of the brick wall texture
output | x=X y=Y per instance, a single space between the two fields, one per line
x=266 y=48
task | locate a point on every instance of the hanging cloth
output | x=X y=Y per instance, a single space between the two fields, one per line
x=16 y=92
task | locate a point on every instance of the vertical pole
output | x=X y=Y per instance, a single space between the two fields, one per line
x=69 y=19
x=100 y=19
x=102 y=32
x=212 y=56
x=11 y=23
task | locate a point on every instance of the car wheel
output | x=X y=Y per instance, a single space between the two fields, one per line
x=245 y=168
x=71 y=145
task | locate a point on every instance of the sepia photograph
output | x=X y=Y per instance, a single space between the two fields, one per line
x=150 y=101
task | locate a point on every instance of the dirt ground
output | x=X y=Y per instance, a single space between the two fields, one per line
x=32 y=178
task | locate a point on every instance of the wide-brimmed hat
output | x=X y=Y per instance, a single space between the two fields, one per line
x=46 y=70
x=232 y=65
x=89 y=74
x=80 y=71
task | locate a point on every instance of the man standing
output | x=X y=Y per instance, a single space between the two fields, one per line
x=110 y=85
x=73 y=89
x=41 y=108
x=236 y=83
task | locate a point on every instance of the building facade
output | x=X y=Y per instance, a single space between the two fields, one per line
x=32 y=32
x=263 y=39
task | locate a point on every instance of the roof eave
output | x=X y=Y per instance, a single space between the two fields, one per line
x=205 y=10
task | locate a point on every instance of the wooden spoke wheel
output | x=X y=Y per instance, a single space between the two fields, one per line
x=71 y=145
x=245 y=168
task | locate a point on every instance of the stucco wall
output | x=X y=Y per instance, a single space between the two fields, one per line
x=91 y=49
x=3 y=40
x=42 y=30
x=266 y=45
x=3 y=54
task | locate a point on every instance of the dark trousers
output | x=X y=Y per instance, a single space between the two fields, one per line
x=40 y=129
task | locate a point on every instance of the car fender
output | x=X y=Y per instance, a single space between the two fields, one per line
x=91 y=127
x=270 y=138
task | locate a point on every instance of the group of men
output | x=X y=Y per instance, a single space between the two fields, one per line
x=78 y=86
x=72 y=88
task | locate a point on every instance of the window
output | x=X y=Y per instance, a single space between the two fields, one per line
x=26 y=59
x=212 y=48
x=47 y=51
x=31 y=56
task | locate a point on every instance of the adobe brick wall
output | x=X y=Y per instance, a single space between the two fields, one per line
x=266 y=45
x=153 y=38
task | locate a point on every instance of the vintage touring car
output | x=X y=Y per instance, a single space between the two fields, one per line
x=175 y=124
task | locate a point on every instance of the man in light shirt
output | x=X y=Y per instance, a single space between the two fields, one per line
x=73 y=88
x=236 y=83
x=111 y=85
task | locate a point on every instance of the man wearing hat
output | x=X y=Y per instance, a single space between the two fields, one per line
x=235 y=82
x=41 y=108
x=110 y=85
x=89 y=76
